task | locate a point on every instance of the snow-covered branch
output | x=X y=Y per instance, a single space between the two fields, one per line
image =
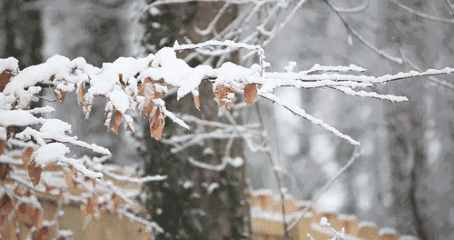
x=35 y=150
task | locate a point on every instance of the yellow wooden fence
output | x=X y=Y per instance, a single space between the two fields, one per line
x=267 y=222
x=266 y=213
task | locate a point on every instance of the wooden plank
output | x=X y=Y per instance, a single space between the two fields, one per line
x=302 y=228
x=320 y=233
x=330 y=216
x=267 y=227
x=349 y=223
x=266 y=202
x=290 y=205
x=388 y=234
x=99 y=228
x=367 y=231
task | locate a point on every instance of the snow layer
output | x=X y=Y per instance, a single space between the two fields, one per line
x=119 y=99
x=230 y=73
x=49 y=153
x=10 y=64
x=17 y=118
x=178 y=73
x=55 y=127
x=104 y=82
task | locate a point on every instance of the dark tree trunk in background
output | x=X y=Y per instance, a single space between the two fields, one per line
x=418 y=200
x=187 y=205
x=405 y=140
x=433 y=188
x=21 y=33
x=406 y=152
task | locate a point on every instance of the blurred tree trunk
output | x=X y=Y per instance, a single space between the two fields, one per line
x=406 y=151
x=407 y=201
x=21 y=31
x=21 y=34
x=192 y=203
x=433 y=190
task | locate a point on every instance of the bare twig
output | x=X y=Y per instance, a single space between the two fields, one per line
x=358 y=36
x=278 y=180
x=421 y=14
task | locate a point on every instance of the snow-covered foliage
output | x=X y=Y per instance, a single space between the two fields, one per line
x=35 y=152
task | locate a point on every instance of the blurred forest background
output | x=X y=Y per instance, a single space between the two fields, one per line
x=404 y=177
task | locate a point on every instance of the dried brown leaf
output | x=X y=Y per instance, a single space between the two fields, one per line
x=24 y=214
x=2 y=147
x=157 y=123
x=68 y=176
x=72 y=185
x=4 y=170
x=34 y=172
x=37 y=216
x=250 y=93
x=27 y=155
x=86 y=108
x=60 y=95
x=148 y=108
x=91 y=205
x=81 y=94
x=53 y=167
x=6 y=205
x=121 y=79
x=117 y=201
x=116 y=122
x=5 y=76
x=223 y=95
x=42 y=233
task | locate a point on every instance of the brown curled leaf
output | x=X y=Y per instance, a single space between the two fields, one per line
x=91 y=205
x=157 y=123
x=5 y=76
x=60 y=95
x=116 y=122
x=6 y=205
x=42 y=233
x=2 y=147
x=70 y=182
x=34 y=173
x=148 y=108
x=81 y=94
x=53 y=167
x=223 y=95
x=27 y=155
x=250 y=93
x=121 y=79
x=4 y=170
x=117 y=201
